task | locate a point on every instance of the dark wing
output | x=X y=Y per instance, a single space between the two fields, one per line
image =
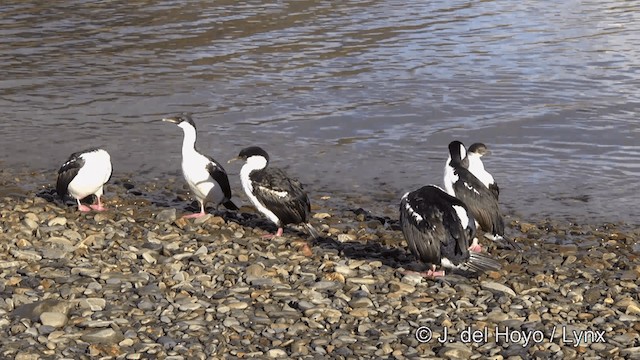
x=495 y=190
x=217 y=172
x=282 y=195
x=67 y=172
x=432 y=228
x=480 y=201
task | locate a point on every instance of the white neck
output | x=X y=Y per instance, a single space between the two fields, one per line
x=254 y=163
x=449 y=178
x=189 y=141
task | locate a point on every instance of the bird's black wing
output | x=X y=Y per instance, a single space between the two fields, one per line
x=432 y=227
x=480 y=201
x=282 y=195
x=495 y=190
x=217 y=172
x=67 y=172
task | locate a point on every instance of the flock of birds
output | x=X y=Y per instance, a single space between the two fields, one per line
x=439 y=225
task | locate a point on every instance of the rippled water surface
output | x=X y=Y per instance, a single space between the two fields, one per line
x=351 y=96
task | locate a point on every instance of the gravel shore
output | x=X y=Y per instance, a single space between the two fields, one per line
x=139 y=282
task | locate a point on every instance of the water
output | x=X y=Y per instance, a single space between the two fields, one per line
x=351 y=96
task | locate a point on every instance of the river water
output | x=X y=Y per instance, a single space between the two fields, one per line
x=350 y=96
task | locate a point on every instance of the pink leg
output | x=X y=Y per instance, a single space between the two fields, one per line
x=98 y=207
x=196 y=215
x=475 y=247
x=83 y=208
x=278 y=234
x=431 y=273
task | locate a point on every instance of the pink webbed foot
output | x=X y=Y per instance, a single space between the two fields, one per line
x=277 y=234
x=475 y=248
x=431 y=273
x=84 y=208
x=98 y=207
x=196 y=215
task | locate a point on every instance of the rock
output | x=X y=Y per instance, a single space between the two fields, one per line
x=102 y=336
x=166 y=216
x=203 y=219
x=455 y=351
x=53 y=319
x=276 y=353
x=346 y=237
x=57 y=221
x=34 y=310
x=491 y=285
x=94 y=304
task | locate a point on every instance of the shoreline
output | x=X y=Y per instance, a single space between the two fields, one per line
x=137 y=281
x=163 y=192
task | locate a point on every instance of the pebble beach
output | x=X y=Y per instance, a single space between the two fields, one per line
x=139 y=282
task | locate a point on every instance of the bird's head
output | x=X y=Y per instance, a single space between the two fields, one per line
x=252 y=153
x=479 y=149
x=182 y=120
x=458 y=153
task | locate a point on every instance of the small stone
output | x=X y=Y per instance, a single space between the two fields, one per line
x=148 y=257
x=404 y=288
x=491 y=285
x=57 y=221
x=412 y=279
x=321 y=215
x=362 y=281
x=26 y=356
x=277 y=353
x=455 y=351
x=239 y=305
x=326 y=286
x=361 y=303
x=53 y=319
x=27 y=255
x=102 y=336
x=346 y=237
x=31 y=224
x=632 y=309
x=203 y=219
x=95 y=304
x=359 y=312
x=166 y=216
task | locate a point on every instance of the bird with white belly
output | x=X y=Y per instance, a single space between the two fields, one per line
x=84 y=174
x=206 y=178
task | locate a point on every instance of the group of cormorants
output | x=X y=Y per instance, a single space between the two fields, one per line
x=439 y=226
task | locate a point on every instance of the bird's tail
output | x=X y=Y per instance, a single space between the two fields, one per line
x=479 y=262
x=503 y=239
x=230 y=204
x=312 y=231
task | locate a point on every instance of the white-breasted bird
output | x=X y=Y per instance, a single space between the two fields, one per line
x=206 y=178
x=84 y=174
x=476 y=167
x=280 y=198
x=481 y=202
x=439 y=230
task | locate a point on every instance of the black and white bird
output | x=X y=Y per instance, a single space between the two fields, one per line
x=280 y=198
x=439 y=230
x=481 y=202
x=476 y=167
x=84 y=174
x=206 y=178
